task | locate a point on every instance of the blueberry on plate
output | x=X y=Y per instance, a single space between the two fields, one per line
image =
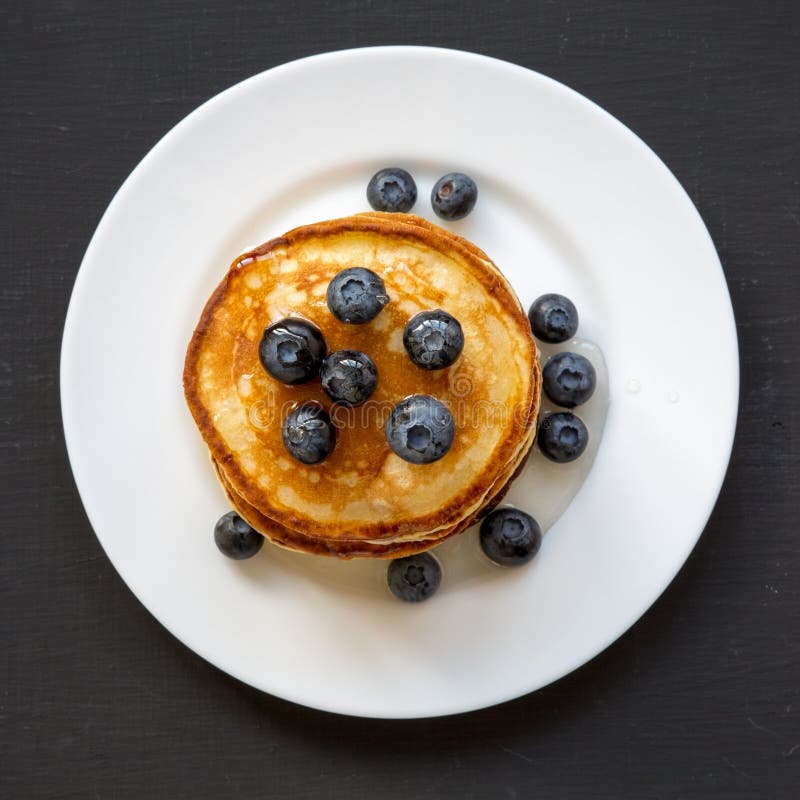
x=569 y=379
x=349 y=377
x=414 y=578
x=433 y=339
x=420 y=429
x=235 y=538
x=356 y=295
x=454 y=196
x=510 y=537
x=308 y=433
x=392 y=189
x=292 y=350
x=562 y=436
x=553 y=318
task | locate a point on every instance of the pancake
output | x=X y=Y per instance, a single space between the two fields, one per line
x=363 y=497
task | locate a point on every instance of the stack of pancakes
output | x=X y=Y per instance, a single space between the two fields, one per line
x=363 y=499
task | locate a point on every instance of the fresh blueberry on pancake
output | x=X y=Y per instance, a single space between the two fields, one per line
x=433 y=339
x=356 y=295
x=308 y=433
x=349 y=377
x=292 y=350
x=420 y=429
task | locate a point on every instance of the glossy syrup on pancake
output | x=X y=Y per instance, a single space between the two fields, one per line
x=363 y=491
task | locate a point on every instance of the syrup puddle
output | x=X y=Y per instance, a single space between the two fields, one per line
x=544 y=489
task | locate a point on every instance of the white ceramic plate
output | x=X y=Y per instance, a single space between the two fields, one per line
x=570 y=201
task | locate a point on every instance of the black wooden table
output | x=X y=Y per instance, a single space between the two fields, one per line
x=699 y=700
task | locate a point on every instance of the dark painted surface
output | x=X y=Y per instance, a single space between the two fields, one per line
x=700 y=700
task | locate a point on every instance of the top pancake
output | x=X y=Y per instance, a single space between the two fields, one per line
x=363 y=490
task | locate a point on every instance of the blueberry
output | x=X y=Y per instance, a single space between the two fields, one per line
x=356 y=295
x=292 y=350
x=433 y=339
x=510 y=537
x=392 y=189
x=569 y=379
x=235 y=538
x=420 y=429
x=562 y=436
x=308 y=433
x=349 y=377
x=454 y=196
x=553 y=318
x=414 y=578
